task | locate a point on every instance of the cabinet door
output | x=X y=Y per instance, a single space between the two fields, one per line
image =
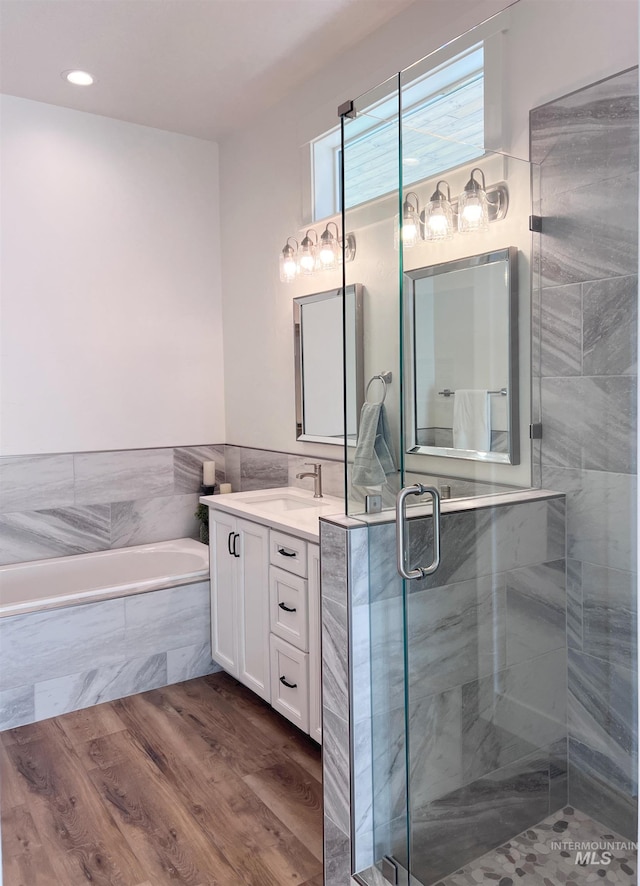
x=253 y=607
x=315 y=685
x=224 y=610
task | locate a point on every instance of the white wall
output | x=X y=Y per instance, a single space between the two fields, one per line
x=111 y=331
x=553 y=46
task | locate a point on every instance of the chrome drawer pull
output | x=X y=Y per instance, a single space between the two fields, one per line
x=286 y=608
x=287 y=684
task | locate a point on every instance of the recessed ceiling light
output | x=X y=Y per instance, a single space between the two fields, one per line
x=410 y=161
x=78 y=78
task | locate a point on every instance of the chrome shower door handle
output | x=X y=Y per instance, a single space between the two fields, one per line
x=401 y=531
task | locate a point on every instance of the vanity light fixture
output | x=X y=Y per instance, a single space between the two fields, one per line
x=473 y=211
x=289 y=262
x=313 y=255
x=410 y=233
x=437 y=217
x=307 y=254
x=78 y=78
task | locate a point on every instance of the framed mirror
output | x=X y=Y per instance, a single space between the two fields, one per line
x=462 y=358
x=318 y=349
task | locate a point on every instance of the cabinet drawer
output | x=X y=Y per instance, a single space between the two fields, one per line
x=288 y=602
x=288 y=553
x=290 y=682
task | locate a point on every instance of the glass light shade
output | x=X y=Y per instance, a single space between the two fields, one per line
x=329 y=252
x=288 y=265
x=473 y=212
x=307 y=260
x=410 y=233
x=438 y=220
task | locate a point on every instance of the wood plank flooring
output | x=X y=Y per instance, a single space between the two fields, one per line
x=200 y=783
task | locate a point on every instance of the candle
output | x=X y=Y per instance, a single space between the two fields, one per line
x=224 y=488
x=209 y=473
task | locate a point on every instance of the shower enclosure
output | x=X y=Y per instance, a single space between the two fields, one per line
x=492 y=622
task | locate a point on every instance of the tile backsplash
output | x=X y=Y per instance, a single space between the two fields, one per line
x=76 y=503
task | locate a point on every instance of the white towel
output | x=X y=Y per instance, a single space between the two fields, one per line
x=471 y=420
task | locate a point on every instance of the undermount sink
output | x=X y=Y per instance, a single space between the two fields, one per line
x=279 y=503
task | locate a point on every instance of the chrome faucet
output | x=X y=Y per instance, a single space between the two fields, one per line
x=317 y=477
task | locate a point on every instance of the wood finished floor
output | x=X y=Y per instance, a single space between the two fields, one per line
x=200 y=783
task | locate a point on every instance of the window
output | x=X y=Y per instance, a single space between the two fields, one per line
x=442 y=126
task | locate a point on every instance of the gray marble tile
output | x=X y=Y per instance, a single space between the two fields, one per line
x=575 y=409
x=561 y=331
x=335 y=658
x=153 y=519
x=536 y=610
x=362 y=793
x=36 y=483
x=456 y=634
x=391 y=838
x=187 y=466
x=167 y=619
x=60 y=642
x=360 y=663
x=590 y=233
x=465 y=824
x=189 y=662
x=513 y=713
x=333 y=563
x=383 y=572
x=358 y=565
x=82 y=690
x=122 y=476
x=61 y=532
x=610 y=615
x=589 y=135
x=574 y=604
x=335 y=767
x=601 y=515
x=489 y=540
x=611 y=326
x=603 y=714
x=597 y=788
x=387 y=654
x=558 y=774
x=435 y=746
x=337 y=855
x=16 y=707
x=389 y=770
x=263 y=469
x=232 y=466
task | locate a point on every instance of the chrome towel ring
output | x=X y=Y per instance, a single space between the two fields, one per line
x=385 y=379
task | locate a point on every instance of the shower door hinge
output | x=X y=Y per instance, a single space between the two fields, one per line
x=535 y=223
x=346 y=109
x=389 y=869
x=535 y=431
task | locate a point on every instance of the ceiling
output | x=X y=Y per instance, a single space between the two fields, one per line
x=199 y=67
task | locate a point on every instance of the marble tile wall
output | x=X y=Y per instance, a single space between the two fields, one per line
x=59 y=505
x=486 y=641
x=585 y=378
x=65 y=659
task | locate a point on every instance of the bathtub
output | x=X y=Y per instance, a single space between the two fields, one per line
x=78 y=631
x=84 y=578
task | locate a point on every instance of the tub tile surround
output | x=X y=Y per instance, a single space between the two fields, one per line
x=64 y=659
x=60 y=505
x=585 y=351
x=487 y=718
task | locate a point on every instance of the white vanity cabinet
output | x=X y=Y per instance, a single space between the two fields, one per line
x=239 y=565
x=265 y=610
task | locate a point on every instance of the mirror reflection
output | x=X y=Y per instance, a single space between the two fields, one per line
x=462 y=354
x=318 y=346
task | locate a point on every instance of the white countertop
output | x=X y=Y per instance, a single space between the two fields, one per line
x=287 y=508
